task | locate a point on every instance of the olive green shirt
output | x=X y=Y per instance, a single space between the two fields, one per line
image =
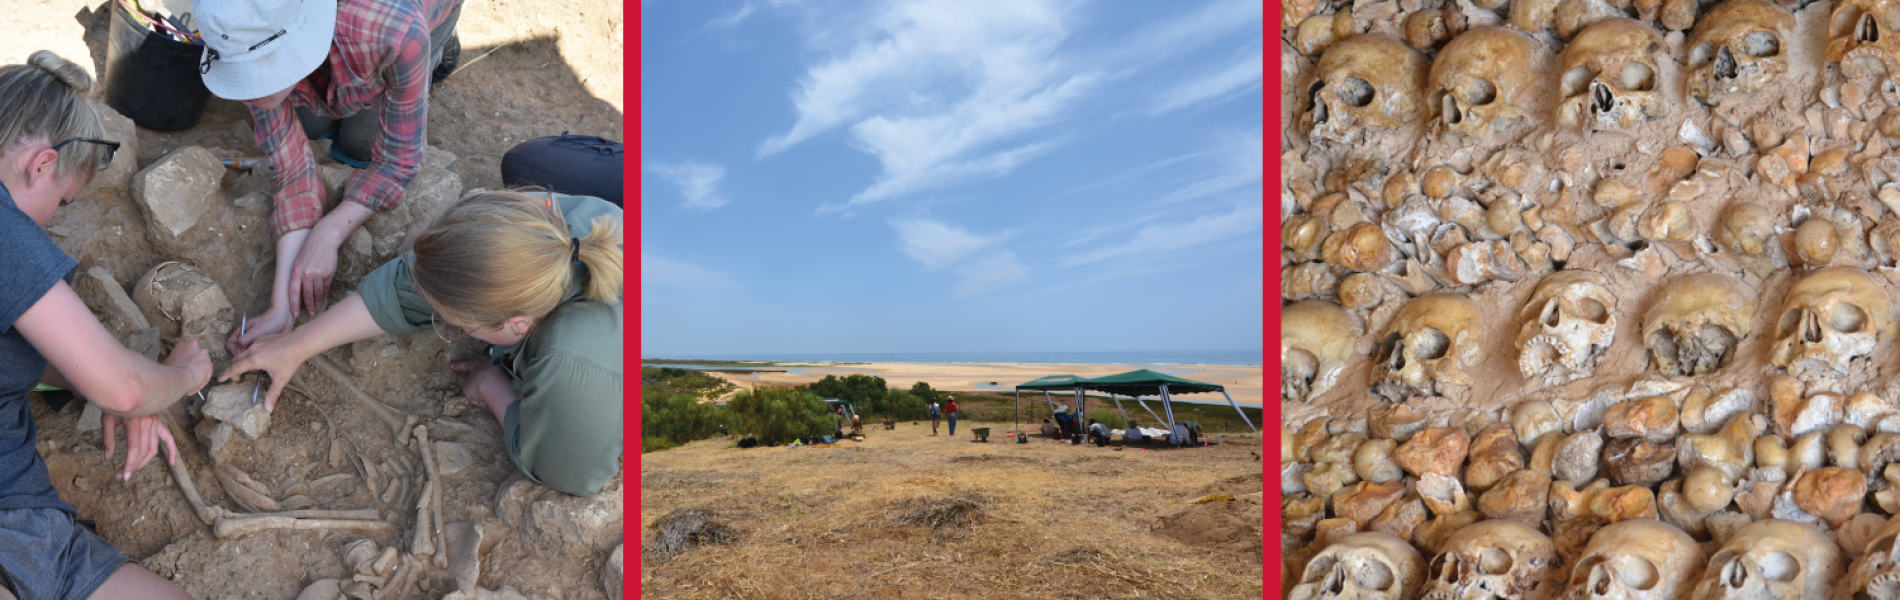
x=565 y=429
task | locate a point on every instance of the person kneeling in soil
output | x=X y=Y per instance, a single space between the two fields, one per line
x=1098 y=433
x=49 y=150
x=537 y=277
x=1049 y=429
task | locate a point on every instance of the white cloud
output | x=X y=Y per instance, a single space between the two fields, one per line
x=1238 y=162
x=698 y=182
x=1244 y=74
x=935 y=87
x=1170 y=237
x=735 y=18
x=659 y=272
x=936 y=244
x=1207 y=24
x=994 y=271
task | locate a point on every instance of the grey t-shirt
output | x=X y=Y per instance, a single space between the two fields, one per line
x=33 y=266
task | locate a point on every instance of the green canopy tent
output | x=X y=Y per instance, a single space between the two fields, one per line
x=1045 y=384
x=1147 y=383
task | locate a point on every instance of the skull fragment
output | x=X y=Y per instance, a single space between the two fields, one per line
x=1316 y=341
x=1772 y=558
x=1362 y=566
x=1612 y=76
x=1484 y=83
x=1369 y=81
x=1862 y=38
x=1428 y=342
x=1829 y=318
x=1638 y=559
x=1569 y=321
x=1695 y=323
x=1498 y=559
x=1737 y=49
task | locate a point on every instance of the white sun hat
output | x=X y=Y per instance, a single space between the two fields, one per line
x=255 y=48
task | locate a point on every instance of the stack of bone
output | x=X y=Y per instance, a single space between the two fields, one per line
x=1590 y=298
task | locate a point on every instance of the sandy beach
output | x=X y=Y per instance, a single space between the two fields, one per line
x=1242 y=381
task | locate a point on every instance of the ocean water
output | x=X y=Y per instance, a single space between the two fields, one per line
x=1204 y=357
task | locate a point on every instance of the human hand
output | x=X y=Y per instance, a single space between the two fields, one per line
x=142 y=435
x=487 y=385
x=273 y=322
x=194 y=360
x=310 y=276
x=273 y=354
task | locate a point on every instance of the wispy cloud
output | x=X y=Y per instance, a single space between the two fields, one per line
x=735 y=18
x=659 y=272
x=1242 y=75
x=1235 y=163
x=941 y=90
x=991 y=272
x=936 y=244
x=1164 y=238
x=698 y=182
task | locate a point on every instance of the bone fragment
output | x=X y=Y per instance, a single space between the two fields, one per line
x=248 y=524
x=422 y=543
x=428 y=464
x=389 y=416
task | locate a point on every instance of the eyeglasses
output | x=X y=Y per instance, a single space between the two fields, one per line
x=105 y=160
x=436 y=324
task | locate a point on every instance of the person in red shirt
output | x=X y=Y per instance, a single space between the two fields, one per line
x=950 y=412
x=362 y=68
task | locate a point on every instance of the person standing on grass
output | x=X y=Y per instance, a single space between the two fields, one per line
x=50 y=147
x=357 y=71
x=936 y=416
x=536 y=276
x=950 y=412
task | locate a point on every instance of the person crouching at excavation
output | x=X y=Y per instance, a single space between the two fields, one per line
x=536 y=276
x=50 y=147
x=1098 y=433
x=359 y=71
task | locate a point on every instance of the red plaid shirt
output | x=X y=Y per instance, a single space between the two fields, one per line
x=381 y=50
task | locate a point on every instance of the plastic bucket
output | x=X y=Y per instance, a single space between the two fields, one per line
x=150 y=78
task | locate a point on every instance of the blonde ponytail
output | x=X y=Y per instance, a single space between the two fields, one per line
x=497 y=255
x=44 y=100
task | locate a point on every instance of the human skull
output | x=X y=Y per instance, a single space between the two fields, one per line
x=1862 y=37
x=1368 y=81
x=1737 y=49
x=1612 y=76
x=1484 y=83
x=1427 y=342
x=1829 y=318
x=1696 y=322
x=1637 y=559
x=1497 y=559
x=1316 y=341
x=1770 y=559
x=1362 y=566
x=1876 y=574
x=1570 y=320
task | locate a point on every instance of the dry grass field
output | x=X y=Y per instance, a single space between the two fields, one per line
x=907 y=515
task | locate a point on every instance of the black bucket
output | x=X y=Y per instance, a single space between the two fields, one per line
x=151 y=78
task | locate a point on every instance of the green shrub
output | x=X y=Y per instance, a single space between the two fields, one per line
x=668 y=419
x=904 y=406
x=777 y=414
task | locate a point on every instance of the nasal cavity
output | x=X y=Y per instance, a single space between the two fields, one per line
x=1600 y=98
x=1867 y=30
x=1724 y=64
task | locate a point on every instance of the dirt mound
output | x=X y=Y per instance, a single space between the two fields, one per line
x=1230 y=526
x=940 y=514
x=685 y=529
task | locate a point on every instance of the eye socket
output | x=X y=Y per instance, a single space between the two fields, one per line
x=1477 y=91
x=1638 y=77
x=1494 y=561
x=1761 y=44
x=1634 y=572
x=1356 y=92
x=1387 y=347
x=1779 y=566
x=1373 y=576
x=1318 y=569
x=1577 y=80
x=1702 y=54
x=1592 y=311
x=1432 y=344
x=1789 y=321
x=1846 y=318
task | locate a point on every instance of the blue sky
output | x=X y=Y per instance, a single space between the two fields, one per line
x=950 y=176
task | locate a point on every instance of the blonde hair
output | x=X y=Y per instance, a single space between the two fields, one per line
x=497 y=255
x=45 y=100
